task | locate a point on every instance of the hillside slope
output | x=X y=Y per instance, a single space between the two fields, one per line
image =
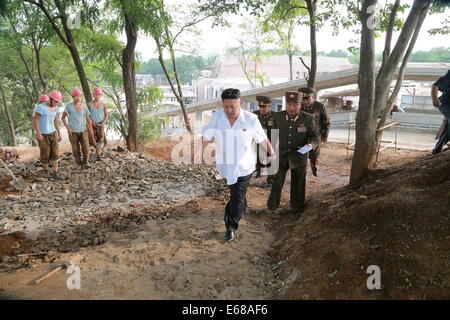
x=399 y=221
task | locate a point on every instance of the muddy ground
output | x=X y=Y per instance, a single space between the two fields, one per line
x=181 y=255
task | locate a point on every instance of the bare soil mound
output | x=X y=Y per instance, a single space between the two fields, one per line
x=399 y=221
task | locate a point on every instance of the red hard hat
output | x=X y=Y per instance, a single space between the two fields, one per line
x=75 y=92
x=97 y=91
x=56 y=95
x=43 y=98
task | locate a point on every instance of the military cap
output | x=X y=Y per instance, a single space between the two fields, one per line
x=307 y=91
x=263 y=100
x=293 y=96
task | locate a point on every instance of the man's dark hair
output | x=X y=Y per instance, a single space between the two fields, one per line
x=231 y=93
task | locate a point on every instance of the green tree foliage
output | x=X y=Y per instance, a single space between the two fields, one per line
x=251 y=50
x=440 y=54
x=282 y=21
x=188 y=67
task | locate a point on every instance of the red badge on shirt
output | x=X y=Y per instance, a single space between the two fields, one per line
x=301 y=128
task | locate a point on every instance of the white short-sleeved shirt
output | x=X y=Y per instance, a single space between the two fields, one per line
x=235 y=146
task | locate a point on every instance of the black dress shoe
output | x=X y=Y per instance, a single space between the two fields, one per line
x=230 y=235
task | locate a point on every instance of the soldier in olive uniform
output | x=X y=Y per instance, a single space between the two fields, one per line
x=296 y=129
x=322 y=120
x=267 y=119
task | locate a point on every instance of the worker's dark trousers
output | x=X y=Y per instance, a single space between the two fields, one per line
x=298 y=186
x=445 y=136
x=235 y=208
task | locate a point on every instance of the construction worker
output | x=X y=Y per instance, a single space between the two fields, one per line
x=322 y=121
x=266 y=117
x=442 y=102
x=234 y=131
x=43 y=99
x=99 y=114
x=79 y=128
x=48 y=135
x=297 y=129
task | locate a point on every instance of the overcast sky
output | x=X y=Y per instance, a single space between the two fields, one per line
x=215 y=40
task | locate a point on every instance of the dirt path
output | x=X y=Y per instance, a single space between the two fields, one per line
x=183 y=256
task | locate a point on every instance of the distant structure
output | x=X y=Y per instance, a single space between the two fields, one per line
x=227 y=72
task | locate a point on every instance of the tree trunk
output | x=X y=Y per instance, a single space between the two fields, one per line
x=70 y=42
x=312 y=9
x=172 y=86
x=129 y=83
x=29 y=72
x=398 y=84
x=291 y=75
x=412 y=26
x=33 y=135
x=365 y=141
x=386 y=75
x=37 y=46
x=389 y=32
x=180 y=97
x=12 y=130
x=37 y=51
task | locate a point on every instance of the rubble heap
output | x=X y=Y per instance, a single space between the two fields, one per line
x=123 y=187
x=8 y=156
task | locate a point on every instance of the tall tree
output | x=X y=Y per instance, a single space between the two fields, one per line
x=7 y=113
x=258 y=7
x=283 y=19
x=166 y=34
x=374 y=92
x=63 y=28
x=250 y=51
x=132 y=17
x=129 y=73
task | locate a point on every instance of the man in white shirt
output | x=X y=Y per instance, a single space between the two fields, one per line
x=235 y=132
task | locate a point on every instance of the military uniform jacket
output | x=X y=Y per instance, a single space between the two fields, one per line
x=267 y=121
x=321 y=117
x=294 y=133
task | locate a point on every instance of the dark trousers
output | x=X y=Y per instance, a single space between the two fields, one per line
x=445 y=136
x=298 y=183
x=235 y=208
x=315 y=153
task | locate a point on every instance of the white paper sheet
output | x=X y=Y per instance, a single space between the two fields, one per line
x=304 y=149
